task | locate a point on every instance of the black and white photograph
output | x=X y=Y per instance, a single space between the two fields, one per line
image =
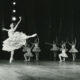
x=39 y=40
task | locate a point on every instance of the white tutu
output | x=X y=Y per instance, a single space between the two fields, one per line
x=36 y=49
x=63 y=54
x=73 y=50
x=54 y=48
x=29 y=54
x=14 y=42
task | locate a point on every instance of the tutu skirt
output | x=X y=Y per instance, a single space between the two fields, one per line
x=14 y=42
x=29 y=54
x=36 y=49
x=63 y=55
x=54 y=49
x=73 y=50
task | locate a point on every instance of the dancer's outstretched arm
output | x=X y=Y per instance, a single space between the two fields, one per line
x=17 y=24
x=5 y=29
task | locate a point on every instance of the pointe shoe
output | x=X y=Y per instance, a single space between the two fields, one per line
x=25 y=60
x=10 y=61
x=63 y=60
x=60 y=61
x=28 y=60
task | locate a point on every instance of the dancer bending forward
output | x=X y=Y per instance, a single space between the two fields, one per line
x=63 y=55
x=28 y=54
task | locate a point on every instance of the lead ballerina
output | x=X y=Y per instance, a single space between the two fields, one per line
x=15 y=39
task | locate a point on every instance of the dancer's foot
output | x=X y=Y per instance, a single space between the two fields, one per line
x=25 y=60
x=63 y=60
x=10 y=61
x=60 y=61
x=28 y=60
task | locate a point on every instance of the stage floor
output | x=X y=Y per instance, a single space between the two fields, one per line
x=43 y=70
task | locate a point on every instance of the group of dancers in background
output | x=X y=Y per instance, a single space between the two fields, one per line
x=18 y=39
x=63 y=49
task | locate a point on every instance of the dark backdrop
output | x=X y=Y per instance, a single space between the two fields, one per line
x=51 y=19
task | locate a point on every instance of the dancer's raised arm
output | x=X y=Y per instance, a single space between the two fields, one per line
x=75 y=41
x=70 y=43
x=17 y=24
x=38 y=39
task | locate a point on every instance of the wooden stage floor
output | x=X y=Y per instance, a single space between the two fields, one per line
x=43 y=70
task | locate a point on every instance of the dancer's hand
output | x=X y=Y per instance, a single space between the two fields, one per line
x=20 y=18
x=34 y=35
x=3 y=28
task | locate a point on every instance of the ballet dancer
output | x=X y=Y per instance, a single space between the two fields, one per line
x=73 y=49
x=15 y=39
x=54 y=49
x=63 y=54
x=28 y=54
x=36 y=49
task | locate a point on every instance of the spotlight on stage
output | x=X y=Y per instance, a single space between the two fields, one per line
x=14 y=11
x=14 y=18
x=14 y=3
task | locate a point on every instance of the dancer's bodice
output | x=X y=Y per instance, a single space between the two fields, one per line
x=73 y=46
x=63 y=50
x=10 y=32
x=54 y=46
x=28 y=49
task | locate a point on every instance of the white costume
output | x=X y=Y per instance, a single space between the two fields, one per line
x=15 y=41
x=73 y=49
x=63 y=54
x=28 y=52
x=54 y=48
x=36 y=48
